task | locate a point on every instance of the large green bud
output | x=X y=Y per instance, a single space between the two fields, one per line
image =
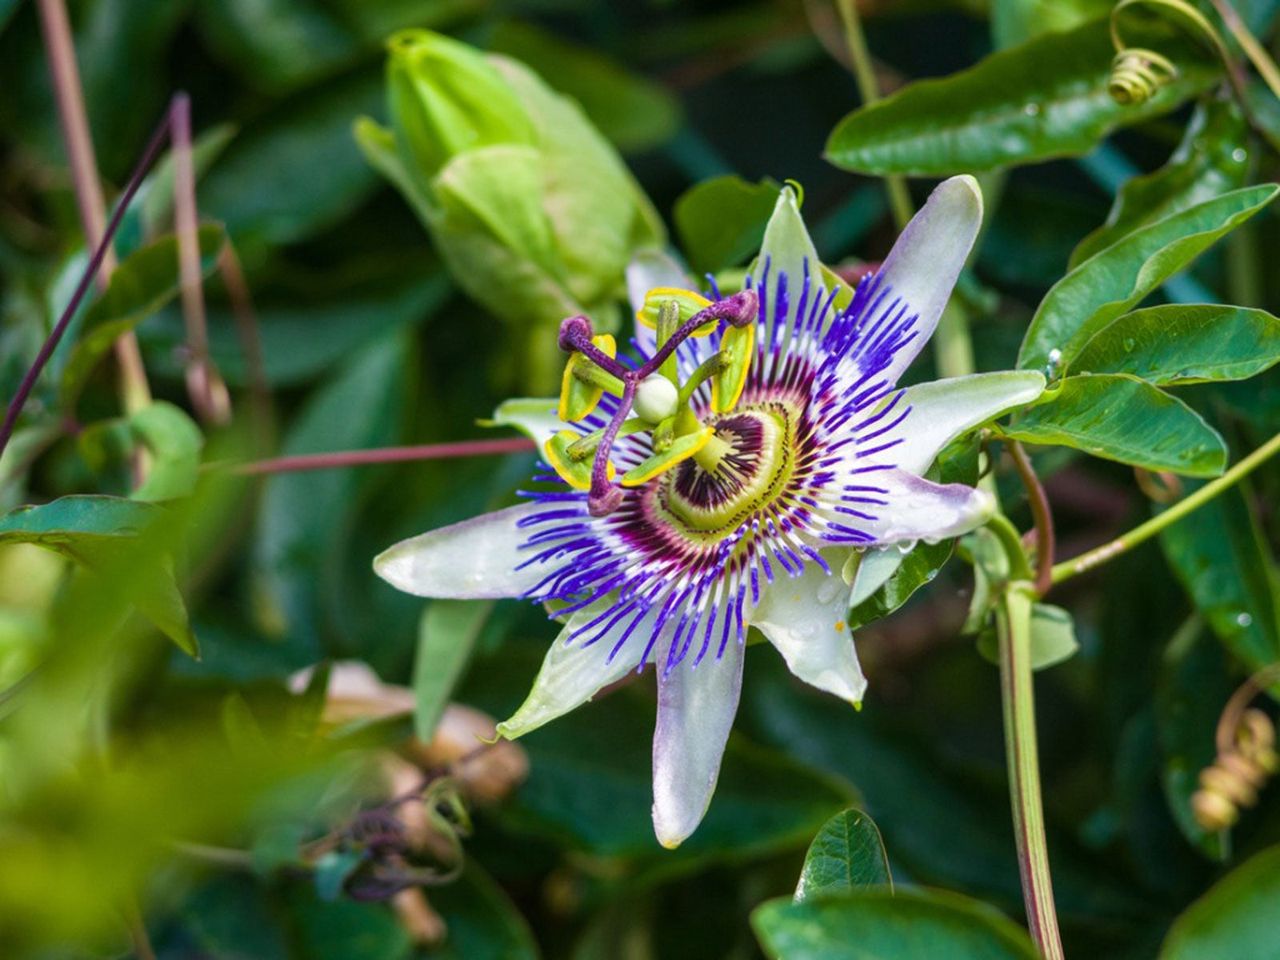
x=531 y=208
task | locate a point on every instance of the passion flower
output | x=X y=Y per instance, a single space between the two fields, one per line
x=730 y=473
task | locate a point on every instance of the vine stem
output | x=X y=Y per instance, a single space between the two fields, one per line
x=1254 y=50
x=360 y=458
x=1041 y=514
x=69 y=96
x=1145 y=531
x=1013 y=623
x=869 y=89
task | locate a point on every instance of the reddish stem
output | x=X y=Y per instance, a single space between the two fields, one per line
x=359 y=458
x=1041 y=514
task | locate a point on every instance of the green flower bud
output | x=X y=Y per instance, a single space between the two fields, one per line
x=532 y=210
x=445 y=99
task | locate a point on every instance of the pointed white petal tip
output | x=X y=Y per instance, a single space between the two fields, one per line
x=964 y=187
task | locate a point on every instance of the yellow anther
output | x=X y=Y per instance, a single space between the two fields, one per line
x=688 y=302
x=578 y=397
x=573 y=471
x=682 y=448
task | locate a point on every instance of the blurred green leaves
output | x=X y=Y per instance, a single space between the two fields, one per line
x=1236 y=918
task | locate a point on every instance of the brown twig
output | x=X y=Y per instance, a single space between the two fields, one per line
x=360 y=458
x=205 y=386
x=69 y=97
x=1040 y=513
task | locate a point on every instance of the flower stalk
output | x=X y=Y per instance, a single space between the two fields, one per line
x=362 y=458
x=1013 y=624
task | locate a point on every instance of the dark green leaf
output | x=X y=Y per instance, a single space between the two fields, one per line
x=296 y=169
x=143 y=283
x=591 y=785
x=721 y=221
x=481 y=920
x=1115 y=279
x=1122 y=418
x=1210 y=161
x=1236 y=918
x=1184 y=343
x=343 y=929
x=632 y=111
x=912 y=924
x=332 y=871
x=1191 y=689
x=447 y=634
x=1221 y=556
x=847 y=853
x=1046 y=98
x=358 y=408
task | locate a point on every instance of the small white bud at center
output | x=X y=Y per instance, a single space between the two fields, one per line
x=656 y=398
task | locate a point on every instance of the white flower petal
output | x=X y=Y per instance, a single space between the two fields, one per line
x=924 y=264
x=806 y=619
x=654 y=267
x=535 y=417
x=572 y=673
x=786 y=249
x=944 y=409
x=471 y=560
x=696 y=706
x=919 y=509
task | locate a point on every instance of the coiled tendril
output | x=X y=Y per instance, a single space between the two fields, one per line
x=1246 y=740
x=1138 y=73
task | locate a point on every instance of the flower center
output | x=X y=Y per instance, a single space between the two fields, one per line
x=716 y=496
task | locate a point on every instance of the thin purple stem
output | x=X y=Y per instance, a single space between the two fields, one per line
x=604 y=496
x=360 y=458
x=95 y=263
x=584 y=346
x=739 y=309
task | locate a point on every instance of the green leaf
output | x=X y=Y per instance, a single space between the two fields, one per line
x=919 y=567
x=294 y=170
x=1236 y=918
x=1184 y=343
x=847 y=854
x=1122 y=418
x=912 y=924
x=721 y=221
x=342 y=929
x=100 y=533
x=143 y=283
x=1046 y=98
x=1016 y=21
x=1115 y=279
x=1191 y=687
x=1211 y=160
x=174 y=442
x=447 y=634
x=1053 y=638
x=298 y=582
x=1221 y=556
x=481 y=920
x=631 y=110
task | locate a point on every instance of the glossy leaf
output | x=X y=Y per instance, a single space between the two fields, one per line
x=1236 y=918
x=142 y=283
x=721 y=221
x=1211 y=160
x=919 y=567
x=1123 y=418
x=1045 y=98
x=1220 y=554
x=912 y=924
x=1184 y=343
x=847 y=854
x=1118 y=277
x=447 y=633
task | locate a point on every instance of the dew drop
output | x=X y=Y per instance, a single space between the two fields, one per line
x=1031 y=109
x=1244 y=619
x=829 y=590
x=905 y=546
x=1239 y=155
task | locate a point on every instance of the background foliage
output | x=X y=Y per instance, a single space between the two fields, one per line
x=140 y=787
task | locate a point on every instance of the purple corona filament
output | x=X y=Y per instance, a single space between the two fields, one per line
x=575 y=334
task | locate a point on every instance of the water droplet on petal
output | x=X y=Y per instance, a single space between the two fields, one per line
x=829 y=590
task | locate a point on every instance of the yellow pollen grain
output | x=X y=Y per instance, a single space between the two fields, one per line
x=839 y=626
